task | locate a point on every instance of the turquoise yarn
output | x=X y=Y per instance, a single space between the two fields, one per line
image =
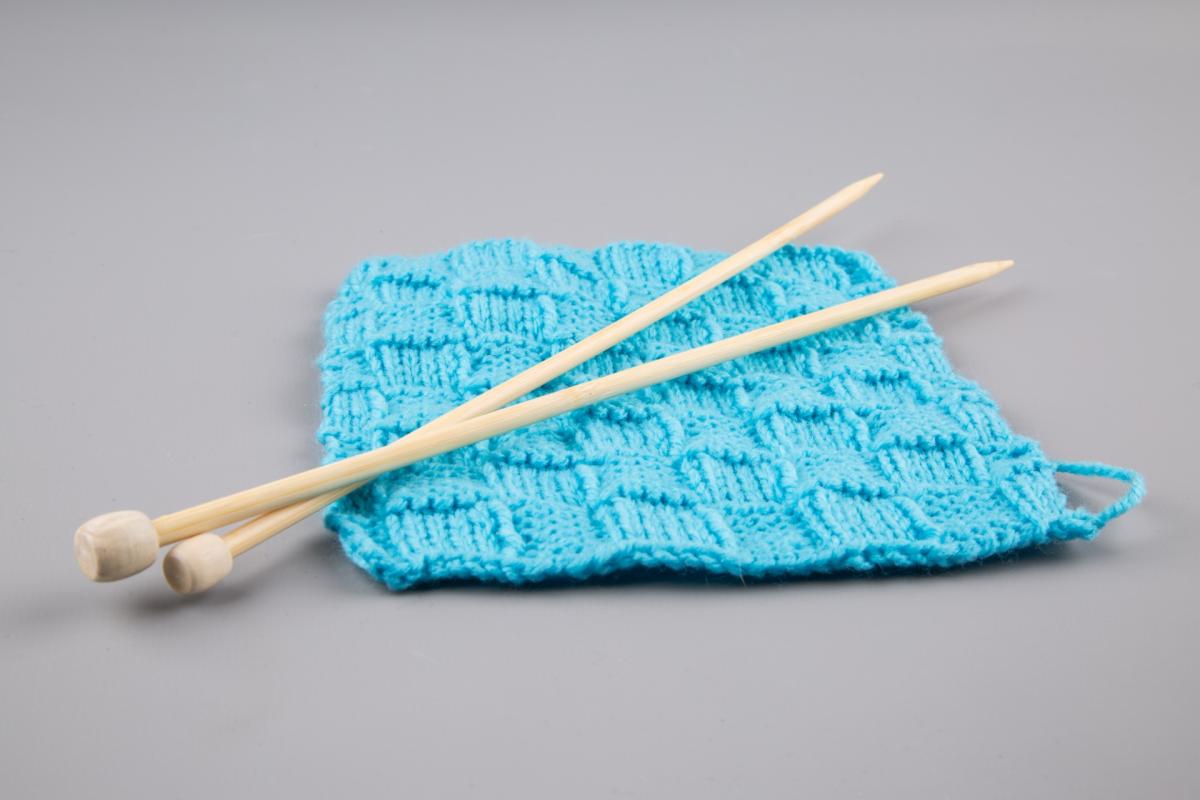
x=856 y=449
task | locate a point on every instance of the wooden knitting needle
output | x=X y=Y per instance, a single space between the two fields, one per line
x=200 y=562
x=122 y=543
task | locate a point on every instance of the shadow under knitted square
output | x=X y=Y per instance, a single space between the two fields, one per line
x=855 y=449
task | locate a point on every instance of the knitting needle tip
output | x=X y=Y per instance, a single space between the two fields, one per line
x=116 y=545
x=990 y=268
x=866 y=184
x=197 y=564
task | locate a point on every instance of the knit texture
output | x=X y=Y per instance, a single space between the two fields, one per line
x=855 y=449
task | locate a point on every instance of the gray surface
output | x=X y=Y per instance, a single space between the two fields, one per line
x=181 y=191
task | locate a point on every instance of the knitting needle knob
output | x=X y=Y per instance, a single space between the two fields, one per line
x=116 y=545
x=197 y=564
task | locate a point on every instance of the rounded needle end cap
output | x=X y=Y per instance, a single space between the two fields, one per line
x=197 y=564
x=116 y=545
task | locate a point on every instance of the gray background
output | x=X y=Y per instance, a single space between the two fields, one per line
x=182 y=190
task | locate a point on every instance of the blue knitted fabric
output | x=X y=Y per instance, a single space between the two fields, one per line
x=856 y=449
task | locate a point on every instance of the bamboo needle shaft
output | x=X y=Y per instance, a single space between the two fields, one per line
x=263 y=527
x=258 y=530
x=430 y=442
x=121 y=543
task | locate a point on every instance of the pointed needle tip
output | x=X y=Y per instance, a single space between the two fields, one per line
x=990 y=268
x=855 y=191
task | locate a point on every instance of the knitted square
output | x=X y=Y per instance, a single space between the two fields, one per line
x=855 y=449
